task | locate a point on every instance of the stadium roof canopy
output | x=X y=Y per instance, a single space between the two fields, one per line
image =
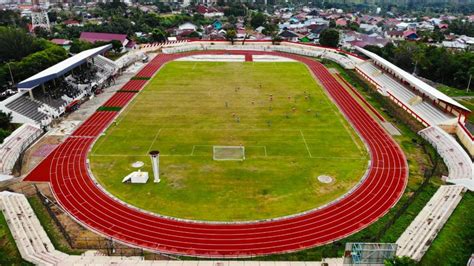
x=61 y=68
x=414 y=81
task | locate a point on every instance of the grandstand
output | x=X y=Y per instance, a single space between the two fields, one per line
x=421 y=108
x=459 y=163
x=345 y=59
x=46 y=95
x=417 y=238
x=14 y=145
x=425 y=103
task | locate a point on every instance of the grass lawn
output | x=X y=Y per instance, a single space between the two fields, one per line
x=53 y=232
x=189 y=107
x=453 y=92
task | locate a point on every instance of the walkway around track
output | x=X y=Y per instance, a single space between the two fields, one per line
x=67 y=171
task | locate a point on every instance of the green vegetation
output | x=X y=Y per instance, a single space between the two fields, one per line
x=434 y=63
x=453 y=92
x=9 y=254
x=455 y=242
x=50 y=227
x=6 y=127
x=290 y=138
x=140 y=78
x=109 y=108
x=329 y=37
x=24 y=55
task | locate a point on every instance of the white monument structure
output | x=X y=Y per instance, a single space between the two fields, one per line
x=136 y=177
x=155 y=162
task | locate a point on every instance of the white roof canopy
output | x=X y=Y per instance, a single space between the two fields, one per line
x=61 y=68
x=414 y=81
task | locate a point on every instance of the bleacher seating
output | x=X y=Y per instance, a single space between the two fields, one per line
x=330 y=54
x=417 y=238
x=424 y=109
x=105 y=64
x=27 y=107
x=36 y=247
x=33 y=242
x=455 y=157
x=15 y=144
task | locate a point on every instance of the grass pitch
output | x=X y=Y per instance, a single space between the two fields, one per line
x=291 y=131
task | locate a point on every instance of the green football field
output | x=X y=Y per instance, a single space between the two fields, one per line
x=291 y=131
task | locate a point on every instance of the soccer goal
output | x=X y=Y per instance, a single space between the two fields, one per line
x=228 y=153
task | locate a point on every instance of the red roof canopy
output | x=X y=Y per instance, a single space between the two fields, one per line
x=102 y=37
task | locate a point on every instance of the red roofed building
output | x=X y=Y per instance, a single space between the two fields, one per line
x=71 y=22
x=61 y=42
x=410 y=35
x=93 y=37
x=341 y=22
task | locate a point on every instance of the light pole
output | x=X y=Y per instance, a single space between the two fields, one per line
x=11 y=74
x=469 y=83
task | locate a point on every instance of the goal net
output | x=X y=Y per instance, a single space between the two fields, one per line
x=228 y=153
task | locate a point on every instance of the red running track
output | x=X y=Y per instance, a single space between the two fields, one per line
x=67 y=171
x=134 y=85
x=120 y=99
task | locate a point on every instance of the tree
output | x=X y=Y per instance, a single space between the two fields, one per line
x=16 y=44
x=78 y=46
x=158 y=35
x=230 y=35
x=329 y=37
x=5 y=120
x=41 y=32
x=257 y=20
x=116 y=46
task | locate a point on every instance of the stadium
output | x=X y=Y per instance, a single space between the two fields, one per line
x=254 y=149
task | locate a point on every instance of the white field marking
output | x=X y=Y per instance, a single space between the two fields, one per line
x=306 y=144
x=153 y=142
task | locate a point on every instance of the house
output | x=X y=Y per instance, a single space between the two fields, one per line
x=209 y=12
x=454 y=45
x=396 y=35
x=188 y=26
x=369 y=28
x=217 y=25
x=61 y=42
x=342 y=22
x=289 y=35
x=94 y=37
x=353 y=38
x=410 y=35
x=72 y=22
x=316 y=29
